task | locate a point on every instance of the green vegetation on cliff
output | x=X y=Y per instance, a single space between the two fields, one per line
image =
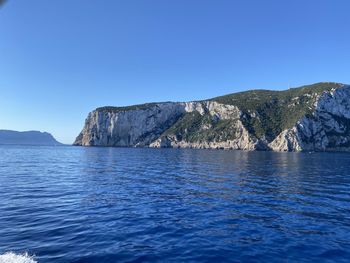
x=127 y=108
x=194 y=127
x=267 y=113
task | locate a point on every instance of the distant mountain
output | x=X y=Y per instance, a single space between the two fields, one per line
x=27 y=138
x=308 y=118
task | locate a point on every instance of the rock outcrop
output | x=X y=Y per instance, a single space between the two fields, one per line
x=326 y=129
x=310 y=118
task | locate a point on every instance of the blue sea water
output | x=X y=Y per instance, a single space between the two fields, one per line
x=75 y=204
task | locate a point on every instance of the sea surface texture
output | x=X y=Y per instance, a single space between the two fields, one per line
x=75 y=204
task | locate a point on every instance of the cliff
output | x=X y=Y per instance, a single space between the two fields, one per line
x=309 y=118
x=27 y=138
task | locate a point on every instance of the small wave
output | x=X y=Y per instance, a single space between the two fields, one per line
x=10 y=257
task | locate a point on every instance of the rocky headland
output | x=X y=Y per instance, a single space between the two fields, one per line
x=310 y=118
x=8 y=137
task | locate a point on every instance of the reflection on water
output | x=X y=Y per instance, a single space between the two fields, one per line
x=73 y=204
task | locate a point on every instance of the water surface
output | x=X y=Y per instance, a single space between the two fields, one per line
x=75 y=204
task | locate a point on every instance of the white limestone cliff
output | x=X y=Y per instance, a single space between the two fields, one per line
x=327 y=128
x=128 y=128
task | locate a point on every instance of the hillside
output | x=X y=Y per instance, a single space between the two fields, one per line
x=27 y=138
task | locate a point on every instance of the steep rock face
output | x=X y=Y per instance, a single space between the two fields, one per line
x=326 y=129
x=200 y=128
x=287 y=140
x=129 y=128
x=243 y=141
x=144 y=127
x=310 y=118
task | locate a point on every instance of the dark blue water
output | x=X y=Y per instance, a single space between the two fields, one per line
x=73 y=204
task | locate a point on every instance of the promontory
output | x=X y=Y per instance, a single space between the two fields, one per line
x=309 y=118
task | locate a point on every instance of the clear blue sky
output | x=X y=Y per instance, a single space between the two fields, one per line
x=60 y=59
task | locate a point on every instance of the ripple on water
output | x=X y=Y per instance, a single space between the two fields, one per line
x=74 y=204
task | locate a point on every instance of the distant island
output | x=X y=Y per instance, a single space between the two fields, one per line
x=309 y=118
x=9 y=137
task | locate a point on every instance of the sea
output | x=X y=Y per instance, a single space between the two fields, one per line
x=89 y=204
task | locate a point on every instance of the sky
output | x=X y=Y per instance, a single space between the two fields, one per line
x=60 y=59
